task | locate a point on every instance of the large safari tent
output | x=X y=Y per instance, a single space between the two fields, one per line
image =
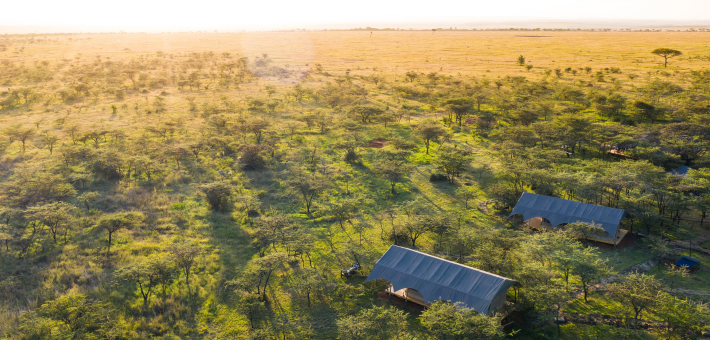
x=549 y=212
x=422 y=278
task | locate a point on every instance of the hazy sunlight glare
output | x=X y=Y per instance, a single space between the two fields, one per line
x=226 y=15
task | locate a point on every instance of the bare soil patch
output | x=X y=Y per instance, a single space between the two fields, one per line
x=377 y=143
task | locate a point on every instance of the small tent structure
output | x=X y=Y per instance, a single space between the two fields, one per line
x=681 y=171
x=559 y=211
x=435 y=279
x=687 y=262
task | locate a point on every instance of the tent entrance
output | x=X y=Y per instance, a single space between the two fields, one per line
x=407 y=294
x=539 y=223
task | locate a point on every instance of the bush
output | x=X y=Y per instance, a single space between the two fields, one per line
x=351 y=156
x=251 y=158
x=217 y=194
x=506 y=195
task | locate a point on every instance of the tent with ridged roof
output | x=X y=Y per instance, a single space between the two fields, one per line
x=438 y=279
x=559 y=211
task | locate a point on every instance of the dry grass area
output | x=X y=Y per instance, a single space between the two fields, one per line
x=396 y=52
x=390 y=54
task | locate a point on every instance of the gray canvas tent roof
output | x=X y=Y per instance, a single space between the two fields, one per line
x=559 y=210
x=683 y=170
x=439 y=279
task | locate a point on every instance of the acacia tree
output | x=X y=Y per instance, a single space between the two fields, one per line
x=378 y=322
x=458 y=107
x=177 y=152
x=666 y=53
x=366 y=113
x=53 y=215
x=5 y=236
x=387 y=118
x=349 y=144
x=112 y=223
x=293 y=126
x=416 y=227
x=645 y=110
x=548 y=296
x=50 y=140
x=674 y=274
x=392 y=166
x=467 y=194
x=268 y=229
x=307 y=186
x=94 y=135
x=30 y=185
x=687 y=140
x=452 y=161
x=26 y=93
x=454 y=321
x=185 y=255
x=249 y=304
x=252 y=156
x=131 y=74
x=639 y=292
x=73 y=316
x=411 y=75
x=567 y=255
x=306 y=282
x=21 y=134
x=480 y=97
x=430 y=131
x=589 y=268
x=164 y=270
x=701 y=179
x=352 y=327
x=257 y=128
x=684 y=318
x=141 y=274
x=342 y=210
x=257 y=273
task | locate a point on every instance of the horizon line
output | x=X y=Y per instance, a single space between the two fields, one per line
x=461 y=24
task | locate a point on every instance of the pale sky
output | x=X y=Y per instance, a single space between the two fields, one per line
x=238 y=14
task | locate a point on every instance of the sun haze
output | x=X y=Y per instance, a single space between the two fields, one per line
x=277 y=14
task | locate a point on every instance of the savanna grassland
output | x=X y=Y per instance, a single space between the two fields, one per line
x=213 y=185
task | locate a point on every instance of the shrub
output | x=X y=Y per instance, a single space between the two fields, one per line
x=217 y=194
x=251 y=158
x=506 y=195
x=351 y=156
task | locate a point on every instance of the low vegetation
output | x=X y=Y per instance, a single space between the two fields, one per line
x=197 y=192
